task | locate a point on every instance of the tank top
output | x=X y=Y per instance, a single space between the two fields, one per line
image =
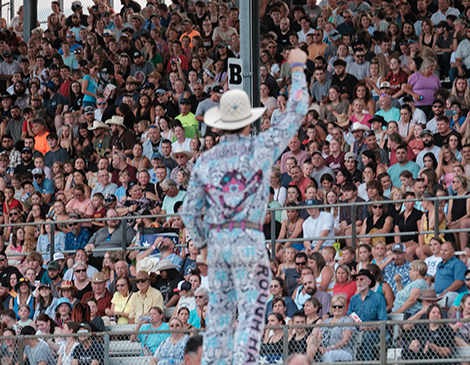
x=29 y=301
x=297 y=245
x=300 y=298
x=427 y=237
x=328 y=290
x=427 y=44
x=459 y=208
x=378 y=289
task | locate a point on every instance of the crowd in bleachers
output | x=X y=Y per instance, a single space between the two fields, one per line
x=102 y=115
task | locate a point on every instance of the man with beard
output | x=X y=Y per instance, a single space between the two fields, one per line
x=30 y=143
x=131 y=89
x=27 y=163
x=371 y=143
x=110 y=237
x=22 y=98
x=403 y=164
x=15 y=124
x=429 y=146
x=343 y=80
x=368 y=306
x=53 y=277
x=347 y=27
x=397 y=264
x=121 y=134
x=141 y=68
x=308 y=289
x=167 y=281
x=78 y=237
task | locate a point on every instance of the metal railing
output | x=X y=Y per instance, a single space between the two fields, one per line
x=272 y=242
x=387 y=342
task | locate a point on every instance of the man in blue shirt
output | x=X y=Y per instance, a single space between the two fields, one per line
x=369 y=306
x=450 y=274
x=402 y=164
x=397 y=264
x=43 y=185
x=78 y=237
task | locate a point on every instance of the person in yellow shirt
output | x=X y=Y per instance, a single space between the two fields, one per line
x=317 y=48
x=40 y=133
x=188 y=119
x=146 y=298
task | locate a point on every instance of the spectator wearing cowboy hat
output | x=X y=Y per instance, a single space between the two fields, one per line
x=146 y=298
x=121 y=134
x=131 y=89
x=167 y=280
x=182 y=158
x=137 y=22
x=369 y=307
x=102 y=137
x=100 y=293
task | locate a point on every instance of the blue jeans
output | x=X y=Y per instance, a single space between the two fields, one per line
x=454 y=72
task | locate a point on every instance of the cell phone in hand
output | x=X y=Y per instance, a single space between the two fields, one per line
x=450 y=113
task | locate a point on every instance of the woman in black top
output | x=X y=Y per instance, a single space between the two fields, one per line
x=438 y=339
x=408 y=221
x=378 y=222
x=272 y=346
x=459 y=209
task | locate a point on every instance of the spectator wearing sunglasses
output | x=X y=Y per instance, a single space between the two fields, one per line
x=78 y=237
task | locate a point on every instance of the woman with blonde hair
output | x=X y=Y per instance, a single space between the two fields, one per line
x=16 y=23
x=30 y=240
x=66 y=139
x=445 y=164
x=461 y=90
x=458 y=215
x=377 y=75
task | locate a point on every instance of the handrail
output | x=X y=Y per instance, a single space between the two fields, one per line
x=273 y=239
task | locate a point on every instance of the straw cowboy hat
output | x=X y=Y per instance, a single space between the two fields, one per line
x=132 y=80
x=342 y=120
x=234 y=112
x=143 y=275
x=315 y=107
x=429 y=295
x=136 y=16
x=179 y=151
x=98 y=277
x=117 y=120
x=97 y=124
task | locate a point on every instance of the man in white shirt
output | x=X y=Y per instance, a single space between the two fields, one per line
x=429 y=146
x=306 y=29
x=319 y=224
x=444 y=10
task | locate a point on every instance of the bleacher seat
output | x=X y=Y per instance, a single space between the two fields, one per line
x=120 y=348
x=138 y=360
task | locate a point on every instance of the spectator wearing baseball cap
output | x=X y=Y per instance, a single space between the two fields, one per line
x=187 y=27
x=318 y=224
x=205 y=105
x=188 y=119
x=141 y=68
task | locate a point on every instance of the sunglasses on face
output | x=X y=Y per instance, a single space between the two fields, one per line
x=180 y=156
x=12 y=214
x=377 y=206
x=199 y=296
x=102 y=103
x=337 y=306
x=301 y=263
x=141 y=281
x=80 y=270
x=72 y=224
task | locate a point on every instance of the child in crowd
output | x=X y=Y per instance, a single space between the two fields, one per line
x=24 y=311
x=100 y=210
x=416 y=144
x=289 y=263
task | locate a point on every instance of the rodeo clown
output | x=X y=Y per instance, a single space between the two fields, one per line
x=230 y=183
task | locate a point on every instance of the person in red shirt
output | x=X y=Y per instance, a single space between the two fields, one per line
x=10 y=201
x=299 y=179
x=100 y=293
x=178 y=53
x=100 y=211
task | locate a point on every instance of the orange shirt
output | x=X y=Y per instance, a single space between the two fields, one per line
x=190 y=35
x=41 y=143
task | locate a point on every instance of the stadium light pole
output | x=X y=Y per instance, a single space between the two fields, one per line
x=249 y=50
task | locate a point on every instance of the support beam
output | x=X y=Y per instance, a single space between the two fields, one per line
x=30 y=18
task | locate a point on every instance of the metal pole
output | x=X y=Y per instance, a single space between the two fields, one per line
x=52 y=241
x=273 y=234
x=12 y=10
x=106 y=349
x=436 y=217
x=21 y=350
x=245 y=45
x=383 y=345
x=30 y=18
x=124 y=238
x=353 y=226
x=285 y=343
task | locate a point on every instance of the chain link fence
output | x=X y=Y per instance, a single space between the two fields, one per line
x=391 y=342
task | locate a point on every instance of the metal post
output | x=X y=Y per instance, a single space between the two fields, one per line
x=30 y=18
x=124 y=236
x=52 y=241
x=353 y=226
x=12 y=10
x=21 y=350
x=245 y=45
x=61 y=4
x=106 y=349
x=285 y=343
x=273 y=234
x=383 y=344
x=436 y=217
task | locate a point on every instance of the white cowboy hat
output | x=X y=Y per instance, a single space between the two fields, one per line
x=98 y=124
x=164 y=265
x=179 y=151
x=116 y=119
x=359 y=127
x=315 y=107
x=233 y=112
x=146 y=264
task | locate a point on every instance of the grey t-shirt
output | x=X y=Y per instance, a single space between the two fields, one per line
x=140 y=73
x=40 y=352
x=202 y=108
x=318 y=174
x=359 y=71
x=14 y=129
x=318 y=90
